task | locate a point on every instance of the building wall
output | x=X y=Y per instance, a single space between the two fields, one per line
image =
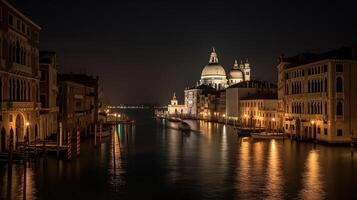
x=233 y=95
x=19 y=77
x=76 y=106
x=48 y=93
x=309 y=99
x=260 y=114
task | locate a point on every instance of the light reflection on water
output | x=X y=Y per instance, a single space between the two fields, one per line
x=150 y=162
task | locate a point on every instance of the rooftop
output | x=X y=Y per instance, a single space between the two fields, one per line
x=253 y=84
x=344 y=53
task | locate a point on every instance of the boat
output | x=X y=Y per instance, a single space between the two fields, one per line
x=265 y=135
x=177 y=123
x=184 y=126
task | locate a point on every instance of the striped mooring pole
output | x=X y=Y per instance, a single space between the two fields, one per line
x=78 y=142
x=69 y=149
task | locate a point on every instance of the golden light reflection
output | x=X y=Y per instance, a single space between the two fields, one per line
x=275 y=183
x=244 y=178
x=312 y=184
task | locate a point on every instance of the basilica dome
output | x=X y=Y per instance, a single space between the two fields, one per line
x=214 y=74
x=213 y=69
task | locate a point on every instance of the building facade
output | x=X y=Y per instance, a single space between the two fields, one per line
x=48 y=94
x=260 y=112
x=210 y=89
x=78 y=102
x=236 y=92
x=19 y=78
x=317 y=95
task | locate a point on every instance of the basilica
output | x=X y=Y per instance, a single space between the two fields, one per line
x=209 y=88
x=214 y=74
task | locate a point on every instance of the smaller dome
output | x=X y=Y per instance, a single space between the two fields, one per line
x=236 y=74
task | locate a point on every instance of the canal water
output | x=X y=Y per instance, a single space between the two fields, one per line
x=149 y=161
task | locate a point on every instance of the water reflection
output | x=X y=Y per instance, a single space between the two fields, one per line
x=274 y=186
x=313 y=187
x=116 y=169
x=244 y=178
x=19 y=181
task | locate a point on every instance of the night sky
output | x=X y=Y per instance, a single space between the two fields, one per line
x=143 y=52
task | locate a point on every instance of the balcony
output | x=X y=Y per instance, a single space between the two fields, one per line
x=16 y=67
x=19 y=106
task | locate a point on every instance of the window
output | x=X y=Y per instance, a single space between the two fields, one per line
x=339 y=84
x=28 y=32
x=325 y=68
x=319 y=130
x=11 y=20
x=43 y=100
x=43 y=75
x=325 y=131
x=18 y=24
x=339 y=132
x=339 y=109
x=339 y=68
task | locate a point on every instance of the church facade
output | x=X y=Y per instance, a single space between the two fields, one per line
x=201 y=99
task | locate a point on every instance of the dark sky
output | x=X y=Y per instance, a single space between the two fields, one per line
x=144 y=52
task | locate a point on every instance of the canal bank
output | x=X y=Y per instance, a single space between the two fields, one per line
x=150 y=162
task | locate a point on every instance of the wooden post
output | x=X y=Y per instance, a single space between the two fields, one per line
x=69 y=143
x=11 y=147
x=100 y=131
x=78 y=142
x=352 y=144
x=61 y=134
x=95 y=135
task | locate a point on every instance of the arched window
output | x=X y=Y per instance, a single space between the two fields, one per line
x=339 y=84
x=339 y=109
x=18 y=90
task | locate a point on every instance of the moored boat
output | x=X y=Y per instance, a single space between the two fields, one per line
x=265 y=135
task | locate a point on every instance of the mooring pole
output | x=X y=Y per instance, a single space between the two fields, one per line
x=78 y=142
x=95 y=135
x=69 y=144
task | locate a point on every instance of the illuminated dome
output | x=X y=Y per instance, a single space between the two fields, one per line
x=236 y=74
x=214 y=74
x=213 y=69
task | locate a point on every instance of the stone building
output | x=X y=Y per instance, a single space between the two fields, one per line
x=78 y=101
x=19 y=78
x=317 y=95
x=48 y=94
x=236 y=92
x=175 y=109
x=210 y=89
x=260 y=112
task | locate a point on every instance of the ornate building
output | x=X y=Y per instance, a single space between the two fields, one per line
x=208 y=99
x=19 y=78
x=214 y=74
x=317 y=95
x=48 y=94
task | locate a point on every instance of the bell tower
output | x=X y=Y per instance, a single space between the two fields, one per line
x=174 y=100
